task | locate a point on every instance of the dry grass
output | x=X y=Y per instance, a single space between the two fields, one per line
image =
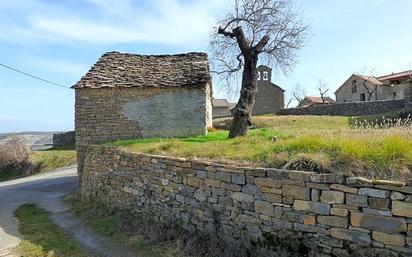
x=314 y=143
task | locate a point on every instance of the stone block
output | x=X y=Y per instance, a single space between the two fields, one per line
x=379 y=203
x=350 y=235
x=273 y=198
x=377 y=212
x=346 y=206
x=327 y=178
x=202 y=195
x=193 y=181
x=332 y=197
x=165 y=182
x=389 y=239
x=282 y=224
x=309 y=220
x=310 y=229
x=293 y=217
x=406 y=190
x=359 y=182
x=397 y=196
x=374 y=192
x=251 y=189
x=402 y=209
x=238 y=179
x=222 y=176
x=265 y=208
x=317 y=186
x=333 y=221
x=300 y=175
x=390 y=225
x=231 y=187
x=296 y=192
x=389 y=183
x=315 y=207
x=339 y=212
x=333 y=242
x=315 y=195
x=268 y=182
x=343 y=188
x=271 y=190
x=357 y=200
x=243 y=197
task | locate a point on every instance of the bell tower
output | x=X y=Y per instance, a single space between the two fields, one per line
x=264 y=73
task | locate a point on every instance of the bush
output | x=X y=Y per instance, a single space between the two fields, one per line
x=14 y=154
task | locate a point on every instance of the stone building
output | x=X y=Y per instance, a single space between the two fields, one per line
x=126 y=96
x=270 y=97
x=368 y=88
x=315 y=101
x=220 y=108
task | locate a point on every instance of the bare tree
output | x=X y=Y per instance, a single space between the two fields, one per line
x=270 y=29
x=323 y=88
x=299 y=94
x=370 y=90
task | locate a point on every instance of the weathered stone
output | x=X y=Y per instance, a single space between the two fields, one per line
x=359 y=182
x=389 y=239
x=374 y=192
x=409 y=241
x=193 y=181
x=293 y=216
x=315 y=207
x=231 y=187
x=315 y=195
x=343 y=188
x=339 y=212
x=383 y=224
x=296 y=192
x=265 y=208
x=254 y=233
x=327 y=240
x=201 y=195
x=397 y=196
x=357 y=200
x=389 y=183
x=317 y=186
x=378 y=203
x=406 y=190
x=346 y=206
x=238 y=179
x=327 y=178
x=165 y=182
x=333 y=221
x=268 y=182
x=281 y=224
x=242 y=197
x=402 y=209
x=310 y=229
x=272 y=198
x=332 y=197
x=222 y=176
x=309 y=220
x=251 y=189
x=201 y=173
x=300 y=175
x=350 y=235
x=377 y=212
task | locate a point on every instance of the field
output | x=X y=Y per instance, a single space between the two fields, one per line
x=314 y=143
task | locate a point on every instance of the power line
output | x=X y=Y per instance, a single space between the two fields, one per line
x=32 y=76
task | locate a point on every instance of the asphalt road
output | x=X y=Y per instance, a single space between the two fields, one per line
x=43 y=189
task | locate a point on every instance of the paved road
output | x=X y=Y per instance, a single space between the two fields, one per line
x=40 y=189
x=47 y=190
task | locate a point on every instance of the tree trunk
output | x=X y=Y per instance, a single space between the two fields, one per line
x=243 y=110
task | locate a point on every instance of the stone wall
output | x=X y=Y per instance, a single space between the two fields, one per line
x=335 y=213
x=64 y=139
x=107 y=114
x=347 y=109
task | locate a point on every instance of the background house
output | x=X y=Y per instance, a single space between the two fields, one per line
x=368 y=88
x=127 y=96
x=315 y=100
x=270 y=97
x=221 y=108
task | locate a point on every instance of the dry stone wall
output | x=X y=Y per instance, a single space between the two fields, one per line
x=335 y=213
x=347 y=109
x=64 y=139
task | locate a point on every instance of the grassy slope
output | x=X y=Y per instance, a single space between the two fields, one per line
x=46 y=160
x=42 y=237
x=131 y=230
x=320 y=142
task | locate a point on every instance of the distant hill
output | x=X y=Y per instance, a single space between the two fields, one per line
x=36 y=140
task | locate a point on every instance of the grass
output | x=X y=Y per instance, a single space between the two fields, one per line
x=42 y=237
x=137 y=232
x=43 y=161
x=316 y=143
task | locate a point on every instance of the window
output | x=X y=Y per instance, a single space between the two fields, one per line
x=354 y=88
x=258 y=76
x=265 y=75
x=363 y=97
x=394 y=95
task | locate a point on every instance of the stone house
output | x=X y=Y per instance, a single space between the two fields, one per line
x=270 y=97
x=315 y=101
x=367 y=88
x=221 y=108
x=125 y=96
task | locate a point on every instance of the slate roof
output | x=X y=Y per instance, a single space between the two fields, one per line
x=115 y=69
x=220 y=103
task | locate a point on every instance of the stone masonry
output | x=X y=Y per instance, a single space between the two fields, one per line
x=64 y=139
x=335 y=213
x=347 y=109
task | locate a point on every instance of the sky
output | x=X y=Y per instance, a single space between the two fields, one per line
x=60 y=40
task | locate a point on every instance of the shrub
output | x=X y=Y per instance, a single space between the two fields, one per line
x=14 y=154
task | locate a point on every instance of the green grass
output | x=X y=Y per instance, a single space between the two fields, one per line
x=137 y=232
x=43 y=161
x=318 y=143
x=42 y=238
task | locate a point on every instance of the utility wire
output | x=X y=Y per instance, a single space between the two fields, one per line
x=32 y=76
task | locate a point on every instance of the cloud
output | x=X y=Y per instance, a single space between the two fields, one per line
x=176 y=22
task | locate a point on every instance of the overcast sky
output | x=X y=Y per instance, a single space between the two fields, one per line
x=60 y=40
